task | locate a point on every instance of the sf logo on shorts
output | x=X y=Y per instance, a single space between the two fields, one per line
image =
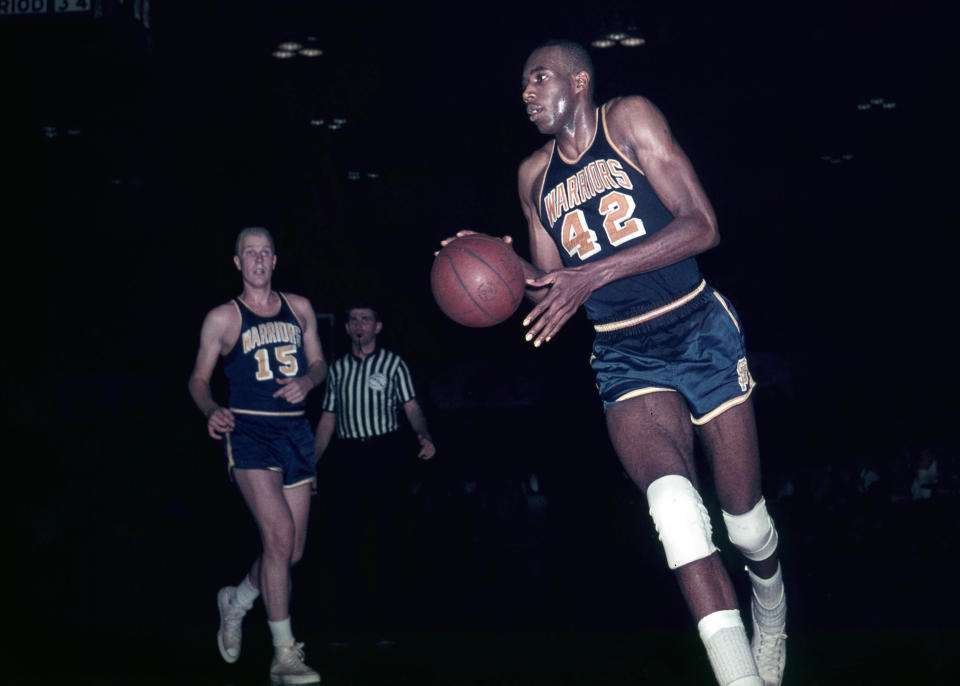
x=743 y=374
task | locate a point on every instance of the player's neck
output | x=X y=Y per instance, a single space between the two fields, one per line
x=259 y=299
x=579 y=134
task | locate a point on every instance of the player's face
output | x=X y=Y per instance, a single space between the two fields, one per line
x=362 y=326
x=547 y=90
x=256 y=260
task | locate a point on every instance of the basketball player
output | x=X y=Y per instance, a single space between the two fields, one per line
x=272 y=359
x=616 y=216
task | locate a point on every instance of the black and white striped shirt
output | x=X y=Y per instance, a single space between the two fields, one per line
x=366 y=394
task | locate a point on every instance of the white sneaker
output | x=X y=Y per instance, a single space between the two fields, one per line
x=769 y=642
x=229 y=634
x=288 y=666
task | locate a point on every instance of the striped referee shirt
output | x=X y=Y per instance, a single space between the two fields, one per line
x=366 y=394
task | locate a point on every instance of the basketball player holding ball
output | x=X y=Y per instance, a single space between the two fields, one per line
x=616 y=218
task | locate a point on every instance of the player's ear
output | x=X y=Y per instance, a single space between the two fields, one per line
x=582 y=79
x=379 y=327
x=236 y=262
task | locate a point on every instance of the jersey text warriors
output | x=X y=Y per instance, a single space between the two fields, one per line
x=599 y=204
x=269 y=348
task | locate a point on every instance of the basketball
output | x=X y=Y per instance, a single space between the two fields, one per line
x=477 y=280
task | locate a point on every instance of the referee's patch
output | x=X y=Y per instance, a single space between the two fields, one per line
x=377 y=382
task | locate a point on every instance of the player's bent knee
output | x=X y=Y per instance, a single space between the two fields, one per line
x=682 y=521
x=753 y=532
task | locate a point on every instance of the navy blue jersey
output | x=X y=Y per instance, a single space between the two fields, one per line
x=599 y=204
x=269 y=348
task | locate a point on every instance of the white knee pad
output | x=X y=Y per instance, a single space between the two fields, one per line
x=681 y=520
x=753 y=532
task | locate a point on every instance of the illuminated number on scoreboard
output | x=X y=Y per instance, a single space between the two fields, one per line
x=286 y=356
x=620 y=225
x=71 y=6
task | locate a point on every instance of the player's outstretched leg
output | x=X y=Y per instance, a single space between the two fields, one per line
x=754 y=535
x=233 y=602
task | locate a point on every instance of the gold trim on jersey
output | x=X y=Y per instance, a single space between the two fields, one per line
x=652 y=314
x=264 y=413
x=603 y=113
x=543 y=179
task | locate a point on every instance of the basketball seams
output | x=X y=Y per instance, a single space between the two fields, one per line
x=466 y=290
x=488 y=266
x=462 y=284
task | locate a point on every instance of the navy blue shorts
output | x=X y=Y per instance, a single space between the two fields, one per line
x=282 y=444
x=693 y=346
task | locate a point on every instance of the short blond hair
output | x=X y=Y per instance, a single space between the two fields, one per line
x=251 y=231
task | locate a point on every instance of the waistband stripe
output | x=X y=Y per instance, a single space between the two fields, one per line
x=261 y=413
x=652 y=314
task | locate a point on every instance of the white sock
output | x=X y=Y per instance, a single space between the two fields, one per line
x=770 y=601
x=768 y=592
x=725 y=639
x=247 y=593
x=281 y=631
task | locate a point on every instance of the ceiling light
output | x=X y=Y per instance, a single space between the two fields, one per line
x=311 y=48
x=616 y=35
x=290 y=46
x=283 y=54
x=603 y=43
x=632 y=42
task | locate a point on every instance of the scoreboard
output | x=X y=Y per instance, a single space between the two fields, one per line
x=15 y=7
x=94 y=9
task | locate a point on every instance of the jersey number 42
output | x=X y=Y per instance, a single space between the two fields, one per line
x=620 y=225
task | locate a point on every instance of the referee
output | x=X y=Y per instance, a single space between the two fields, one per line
x=364 y=391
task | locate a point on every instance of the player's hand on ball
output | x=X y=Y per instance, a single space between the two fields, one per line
x=466 y=232
x=568 y=290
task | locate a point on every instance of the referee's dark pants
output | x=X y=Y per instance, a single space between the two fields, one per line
x=368 y=506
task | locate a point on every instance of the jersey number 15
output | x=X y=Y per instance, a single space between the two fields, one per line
x=286 y=357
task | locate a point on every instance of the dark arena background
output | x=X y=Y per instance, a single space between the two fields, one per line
x=139 y=136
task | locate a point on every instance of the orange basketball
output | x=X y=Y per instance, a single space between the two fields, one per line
x=477 y=280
